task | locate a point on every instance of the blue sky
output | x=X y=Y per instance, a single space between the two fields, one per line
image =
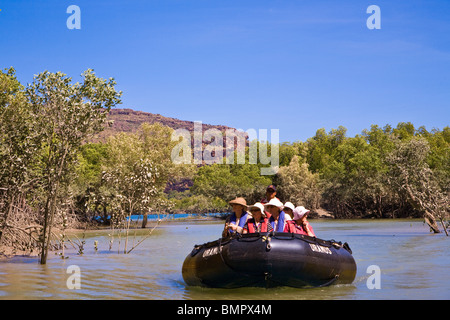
x=296 y=66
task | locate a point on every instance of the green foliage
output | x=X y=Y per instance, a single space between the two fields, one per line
x=289 y=150
x=354 y=179
x=298 y=185
x=90 y=160
x=357 y=175
x=18 y=148
x=128 y=174
x=229 y=181
x=321 y=147
x=64 y=115
x=200 y=204
x=42 y=128
x=17 y=140
x=411 y=175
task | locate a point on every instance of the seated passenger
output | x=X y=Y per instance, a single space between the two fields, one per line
x=277 y=219
x=258 y=222
x=288 y=207
x=300 y=215
x=237 y=220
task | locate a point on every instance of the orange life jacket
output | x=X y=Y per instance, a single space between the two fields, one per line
x=251 y=227
x=292 y=227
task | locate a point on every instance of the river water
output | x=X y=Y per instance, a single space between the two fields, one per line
x=414 y=264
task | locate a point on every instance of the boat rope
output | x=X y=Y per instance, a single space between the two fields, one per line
x=336 y=277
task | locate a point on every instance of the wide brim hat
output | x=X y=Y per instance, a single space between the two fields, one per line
x=274 y=202
x=299 y=212
x=240 y=201
x=289 y=205
x=259 y=206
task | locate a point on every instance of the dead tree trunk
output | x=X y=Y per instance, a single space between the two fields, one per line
x=417 y=202
x=144 y=221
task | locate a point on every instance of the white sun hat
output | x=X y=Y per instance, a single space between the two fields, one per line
x=259 y=206
x=289 y=205
x=274 y=202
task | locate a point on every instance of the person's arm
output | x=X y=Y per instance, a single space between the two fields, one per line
x=226 y=227
x=307 y=227
x=236 y=228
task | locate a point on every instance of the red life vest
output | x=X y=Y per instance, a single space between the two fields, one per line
x=251 y=225
x=292 y=227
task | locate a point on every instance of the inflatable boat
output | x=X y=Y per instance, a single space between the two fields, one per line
x=269 y=260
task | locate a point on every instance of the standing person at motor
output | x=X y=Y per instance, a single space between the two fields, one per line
x=259 y=221
x=300 y=216
x=237 y=220
x=277 y=219
x=271 y=193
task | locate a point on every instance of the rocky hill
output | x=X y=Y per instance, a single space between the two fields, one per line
x=128 y=120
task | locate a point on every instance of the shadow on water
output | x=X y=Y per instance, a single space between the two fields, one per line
x=279 y=293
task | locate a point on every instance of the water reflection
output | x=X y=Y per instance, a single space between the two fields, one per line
x=282 y=293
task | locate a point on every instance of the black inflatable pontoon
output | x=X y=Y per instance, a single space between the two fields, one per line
x=269 y=260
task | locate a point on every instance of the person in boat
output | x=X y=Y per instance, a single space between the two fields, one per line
x=277 y=219
x=237 y=220
x=259 y=221
x=288 y=209
x=301 y=222
x=271 y=193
